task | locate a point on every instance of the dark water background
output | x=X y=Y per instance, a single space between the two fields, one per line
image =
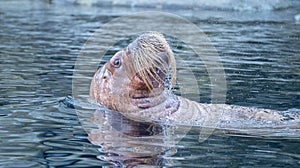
x=39 y=43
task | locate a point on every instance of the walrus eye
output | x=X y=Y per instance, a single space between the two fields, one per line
x=117 y=63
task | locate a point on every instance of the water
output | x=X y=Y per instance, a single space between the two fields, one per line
x=39 y=43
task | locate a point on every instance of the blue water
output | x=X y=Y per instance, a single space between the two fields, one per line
x=39 y=44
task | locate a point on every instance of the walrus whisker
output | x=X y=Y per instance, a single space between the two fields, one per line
x=149 y=51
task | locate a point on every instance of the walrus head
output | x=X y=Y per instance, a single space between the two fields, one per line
x=134 y=78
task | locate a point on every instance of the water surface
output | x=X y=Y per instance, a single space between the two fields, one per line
x=39 y=43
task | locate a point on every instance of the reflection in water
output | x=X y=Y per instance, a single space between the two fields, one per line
x=129 y=142
x=126 y=142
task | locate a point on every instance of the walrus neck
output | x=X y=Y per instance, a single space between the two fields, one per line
x=146 y=99
x=154 y=106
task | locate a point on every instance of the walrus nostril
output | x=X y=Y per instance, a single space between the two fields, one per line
x=106 y=74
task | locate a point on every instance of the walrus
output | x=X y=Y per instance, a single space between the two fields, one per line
x=134 y=89
x=137 y=82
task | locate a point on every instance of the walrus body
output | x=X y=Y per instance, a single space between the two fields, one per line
x=133 y=83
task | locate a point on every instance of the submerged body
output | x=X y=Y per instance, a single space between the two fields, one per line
x=133 y=83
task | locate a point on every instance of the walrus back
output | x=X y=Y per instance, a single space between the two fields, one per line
x=223 y=116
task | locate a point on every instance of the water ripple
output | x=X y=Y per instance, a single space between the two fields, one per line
x=39 y=43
